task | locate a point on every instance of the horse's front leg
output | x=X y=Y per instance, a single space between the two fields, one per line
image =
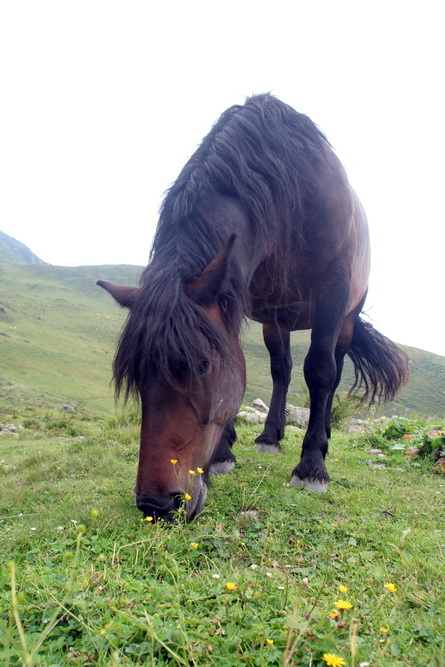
x=322 y=373
x=223 y=459
x=277 y=342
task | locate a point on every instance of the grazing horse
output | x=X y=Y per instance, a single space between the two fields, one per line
x=261 y=222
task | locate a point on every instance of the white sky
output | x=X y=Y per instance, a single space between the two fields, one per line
x=102 y=102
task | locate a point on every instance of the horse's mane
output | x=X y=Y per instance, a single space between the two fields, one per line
x=266 y=155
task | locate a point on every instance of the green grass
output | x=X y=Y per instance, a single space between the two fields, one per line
x=114 y=590
x=59 y=332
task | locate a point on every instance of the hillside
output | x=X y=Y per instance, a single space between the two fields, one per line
x=58 y=332
x=14 y=252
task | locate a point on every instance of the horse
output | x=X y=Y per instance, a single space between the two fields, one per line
x=261 y=223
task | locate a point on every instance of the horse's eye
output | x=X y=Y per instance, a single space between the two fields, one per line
x=203 y=366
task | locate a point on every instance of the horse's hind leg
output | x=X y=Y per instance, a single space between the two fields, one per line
x=341 y=349
x=277 y=342
x=223 y=459
x=322 y=372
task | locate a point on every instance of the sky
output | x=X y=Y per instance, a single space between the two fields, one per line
x=102 y=102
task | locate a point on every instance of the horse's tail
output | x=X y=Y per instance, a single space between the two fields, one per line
x=381 y=367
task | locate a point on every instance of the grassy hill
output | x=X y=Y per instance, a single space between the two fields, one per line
x=58 y=333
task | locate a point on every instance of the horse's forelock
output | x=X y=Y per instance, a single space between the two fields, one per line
x=168 y=335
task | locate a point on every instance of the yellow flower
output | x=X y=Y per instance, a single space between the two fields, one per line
x=200 y=470
x=343 y=604
x=390 y=587
x=343 y=589
x=148 y=518
x=192 y=472
x=384 y=630
x=336 y=461
x=333 y=660
x=230 y=586
x=187 y=496
x=174 y=461
x=194 y=545
x=269 y=641
x=334 y=614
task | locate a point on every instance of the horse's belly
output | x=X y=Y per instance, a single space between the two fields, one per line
x=292 y=317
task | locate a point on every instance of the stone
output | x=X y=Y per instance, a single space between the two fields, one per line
x=295 y=415
x=259 y=405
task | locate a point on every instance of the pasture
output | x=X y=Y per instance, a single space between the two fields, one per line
x=267 y=575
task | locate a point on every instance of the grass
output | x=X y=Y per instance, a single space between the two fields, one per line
x=85 y=582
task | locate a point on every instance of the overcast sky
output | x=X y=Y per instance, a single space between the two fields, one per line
x=103 y=102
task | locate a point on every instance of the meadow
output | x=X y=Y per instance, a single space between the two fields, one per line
x=267 y=575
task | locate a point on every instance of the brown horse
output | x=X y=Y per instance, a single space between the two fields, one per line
x=261 y=222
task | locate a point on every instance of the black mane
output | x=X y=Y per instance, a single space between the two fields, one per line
x=266 y=155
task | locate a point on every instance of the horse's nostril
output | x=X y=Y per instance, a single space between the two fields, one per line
x=163 y=507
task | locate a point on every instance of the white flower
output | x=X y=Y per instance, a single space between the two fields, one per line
x=33 y=528
x=216 y=576
x=268 y=574
x=280 y=588
x=73 y=521
x=253 y=566
x=60 y=528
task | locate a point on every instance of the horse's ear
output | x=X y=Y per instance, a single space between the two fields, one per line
x=205 y=289
x=125 y=296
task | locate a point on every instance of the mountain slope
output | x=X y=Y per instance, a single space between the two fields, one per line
x=14 y=252
x=59 y=330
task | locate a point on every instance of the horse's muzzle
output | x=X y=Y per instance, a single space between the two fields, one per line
x=165 y=507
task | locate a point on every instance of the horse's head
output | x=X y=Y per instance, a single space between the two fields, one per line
x=190 y=385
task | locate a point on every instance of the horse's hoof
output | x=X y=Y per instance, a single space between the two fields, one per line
x=313 y=485
x=221 y=467
x=265 y=447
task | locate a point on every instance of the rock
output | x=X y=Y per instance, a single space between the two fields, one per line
x=252 y=417
x=259 y=405
x=298 y=416
x=250 y=514
x=8 y=430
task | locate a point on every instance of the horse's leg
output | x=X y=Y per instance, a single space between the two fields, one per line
x=321 y=371
x=339 y=361
x=341 y=349
x=278 y=344
x=223 y=459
